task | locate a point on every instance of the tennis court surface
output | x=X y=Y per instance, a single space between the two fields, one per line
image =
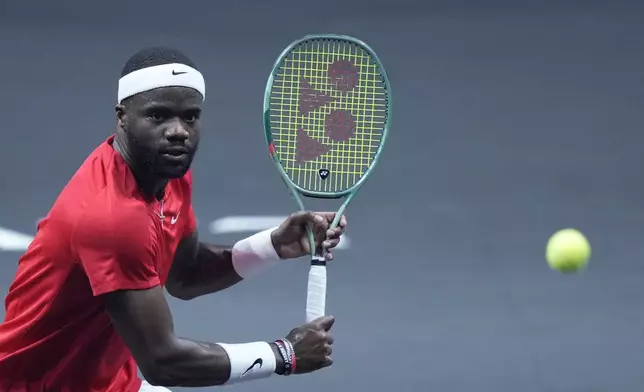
x=512 y=120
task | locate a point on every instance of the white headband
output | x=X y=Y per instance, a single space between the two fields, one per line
x=165 y=75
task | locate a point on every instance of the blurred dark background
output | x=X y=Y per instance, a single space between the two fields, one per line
x=512 y=119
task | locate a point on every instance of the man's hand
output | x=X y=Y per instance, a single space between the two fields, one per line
x=312 y=345
x=291 y=239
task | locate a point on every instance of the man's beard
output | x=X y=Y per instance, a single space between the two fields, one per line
x=169 y=172
x=144 y=156
x=159 y=167
x=151 y=162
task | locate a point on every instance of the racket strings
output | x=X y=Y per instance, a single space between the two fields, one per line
x=328 y=111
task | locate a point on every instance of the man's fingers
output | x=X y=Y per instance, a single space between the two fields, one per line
x=319 y=222
x=334 y=233
x=328 y=361
x=343 y=222
x=320 y=227
x=320 y=237
x=328 y=216
x=328 y=323
x=330 y=244
x=323 y=218
x=324 y=322
x=307 y=217
x=310 y=216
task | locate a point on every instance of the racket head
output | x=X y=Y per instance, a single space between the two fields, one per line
x=327 y=114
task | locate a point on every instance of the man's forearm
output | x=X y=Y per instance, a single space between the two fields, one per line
x=210 y=271
x=143 y=320
x=197 y=364
x=200 y=268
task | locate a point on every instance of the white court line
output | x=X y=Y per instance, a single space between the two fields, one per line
x=13 y=241
x=255 y=223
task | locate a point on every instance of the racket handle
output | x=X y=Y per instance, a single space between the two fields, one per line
x=316 y=294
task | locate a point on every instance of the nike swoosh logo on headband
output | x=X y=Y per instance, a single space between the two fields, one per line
x=178 y=73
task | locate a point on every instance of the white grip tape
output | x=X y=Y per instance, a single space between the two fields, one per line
x=316 y=295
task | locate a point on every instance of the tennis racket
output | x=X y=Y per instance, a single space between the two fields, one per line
x=327 y=111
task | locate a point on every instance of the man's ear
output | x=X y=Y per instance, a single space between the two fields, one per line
x=120 y=116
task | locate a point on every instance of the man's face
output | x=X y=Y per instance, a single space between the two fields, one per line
x=162 y=129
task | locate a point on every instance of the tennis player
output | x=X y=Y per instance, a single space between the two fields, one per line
x=87 y=303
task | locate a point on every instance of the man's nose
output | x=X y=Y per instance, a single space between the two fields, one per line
x=176 y=131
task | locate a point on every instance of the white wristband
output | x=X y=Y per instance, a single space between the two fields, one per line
x=249 y=361
x=254 y=254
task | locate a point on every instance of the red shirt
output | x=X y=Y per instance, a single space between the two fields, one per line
x=99 y=236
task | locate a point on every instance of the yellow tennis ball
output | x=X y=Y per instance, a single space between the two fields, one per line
x=568 y=251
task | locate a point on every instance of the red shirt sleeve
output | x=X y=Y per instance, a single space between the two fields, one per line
x=116 y=248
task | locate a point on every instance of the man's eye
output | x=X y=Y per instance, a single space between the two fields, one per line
x=156 y=116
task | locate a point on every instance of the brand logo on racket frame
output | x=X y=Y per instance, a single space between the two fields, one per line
x=324 y=173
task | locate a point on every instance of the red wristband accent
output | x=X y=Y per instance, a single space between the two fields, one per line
x=293 y=362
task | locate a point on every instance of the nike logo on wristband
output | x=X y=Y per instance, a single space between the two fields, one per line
x=258 y=362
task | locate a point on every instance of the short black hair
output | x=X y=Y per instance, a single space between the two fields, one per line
x=156 y=55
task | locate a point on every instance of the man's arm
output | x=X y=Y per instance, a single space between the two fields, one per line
x=199 y=269
x=118 y=255
x=143 y=320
